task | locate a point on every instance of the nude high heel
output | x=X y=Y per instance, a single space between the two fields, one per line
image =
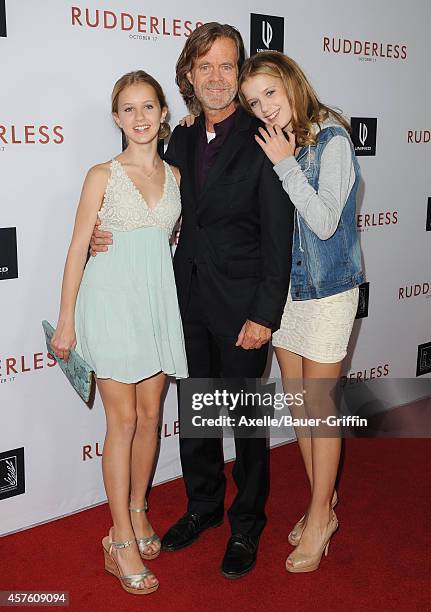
x=296 y=533
x=302 y=563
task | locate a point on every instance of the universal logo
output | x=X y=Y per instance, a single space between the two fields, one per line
x=428 y=221
x=12 y=474
x=365 y=50
x=3 y=31
x=145 y=27
x=31 y=134
x=364 y=296
x=367 y=221
x=8 y=253
x=423 y=364
x=266 y=33
x=364 y=135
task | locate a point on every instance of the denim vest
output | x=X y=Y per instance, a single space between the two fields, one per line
x=325 y=267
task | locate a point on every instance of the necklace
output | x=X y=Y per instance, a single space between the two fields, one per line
x=156 y=167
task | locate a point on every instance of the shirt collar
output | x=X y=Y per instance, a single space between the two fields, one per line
x=223 y=127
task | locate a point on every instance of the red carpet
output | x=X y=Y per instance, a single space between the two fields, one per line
x=380 y=559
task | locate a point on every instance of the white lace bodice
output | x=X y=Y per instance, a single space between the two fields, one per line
x=125 y=209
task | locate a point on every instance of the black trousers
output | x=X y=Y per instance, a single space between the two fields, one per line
x=212 y=355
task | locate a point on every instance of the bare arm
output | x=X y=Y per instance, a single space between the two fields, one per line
x=91 y=198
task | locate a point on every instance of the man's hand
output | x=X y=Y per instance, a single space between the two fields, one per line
x=188 y=120
x=275 y=144
x=99 y=240
x=253 y=335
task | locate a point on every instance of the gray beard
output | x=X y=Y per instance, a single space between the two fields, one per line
x=207 y=104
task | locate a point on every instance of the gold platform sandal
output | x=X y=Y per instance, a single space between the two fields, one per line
x=302 y=563
x=130 y=582
x=296 y=533
x=143 y=543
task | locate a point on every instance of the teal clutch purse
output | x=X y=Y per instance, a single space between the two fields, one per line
x=78 y=372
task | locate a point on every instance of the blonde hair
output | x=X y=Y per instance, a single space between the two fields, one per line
x=139 y=76
x=306 y=106
x=199 y=43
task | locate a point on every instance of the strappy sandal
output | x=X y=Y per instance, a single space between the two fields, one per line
x=129 y=582
x=144 y=543
x=296 y=533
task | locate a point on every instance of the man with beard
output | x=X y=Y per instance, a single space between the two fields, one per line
x=232 y=267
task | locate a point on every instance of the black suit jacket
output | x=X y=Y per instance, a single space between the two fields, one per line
x=238 y=230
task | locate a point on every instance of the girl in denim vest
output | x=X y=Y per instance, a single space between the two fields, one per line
x=309 y=145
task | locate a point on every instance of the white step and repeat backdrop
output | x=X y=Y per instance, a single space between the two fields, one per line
x=58 y=63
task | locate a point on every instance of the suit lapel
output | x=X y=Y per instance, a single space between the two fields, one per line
x=231 y=146
x=192 y=141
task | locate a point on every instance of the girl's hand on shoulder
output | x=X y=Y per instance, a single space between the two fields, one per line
x=63 y=340
x=275 y=144
x=187 y=121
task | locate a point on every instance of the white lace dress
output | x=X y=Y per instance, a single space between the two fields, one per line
x=127 y=319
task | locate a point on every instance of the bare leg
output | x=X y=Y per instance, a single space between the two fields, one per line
x=148 y=395
x=325 y=455
x=291 y=373
x=119 y=401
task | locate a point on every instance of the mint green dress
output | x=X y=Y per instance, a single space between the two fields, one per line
x=127 y=320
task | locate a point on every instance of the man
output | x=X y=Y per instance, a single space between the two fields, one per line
x=232 y=267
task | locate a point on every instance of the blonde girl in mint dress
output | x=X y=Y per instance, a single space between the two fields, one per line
x=121 y=313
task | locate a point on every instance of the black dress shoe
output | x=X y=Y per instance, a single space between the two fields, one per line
x=188 y=529
x=240 y=556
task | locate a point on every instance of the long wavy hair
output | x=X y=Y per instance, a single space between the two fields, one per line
x=140 y=76
x=199 y=43
x=306 y=106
